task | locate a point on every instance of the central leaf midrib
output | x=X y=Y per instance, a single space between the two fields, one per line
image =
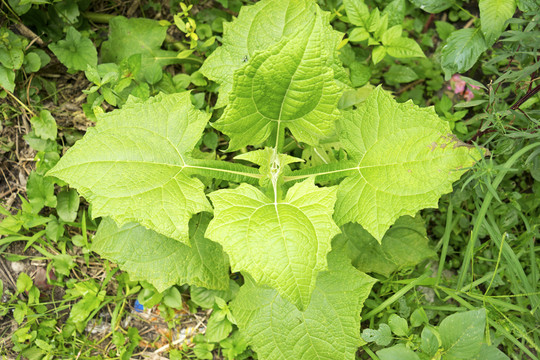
x=275 y=206
x=279 y=120
x=292 y=77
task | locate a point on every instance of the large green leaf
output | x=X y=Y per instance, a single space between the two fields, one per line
x=404 y=244
x=433 y=6
x=407 y=158
x=490 y=352
x=493 y=16
x=461 y=51
x=7 y=78
x=137 y=36
x=462 y=334
x=357 y=12
x=329 y=328
x=403 y=48
x=44 y=125
x=11 y=50
x=282 y=244
x=395 y=11
x=399 y=351
x=40 y=191
x=257 y=28
x=147 y=255
x=290 y=85
x=76 y=52
x=131 y=165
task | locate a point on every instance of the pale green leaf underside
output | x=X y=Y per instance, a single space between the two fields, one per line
x=284 y=244
x=493 y=16
x=287 y=86
x=131 y=165
x=404 y=244
x=329 y=328
x=257 y=28
x=407 y=158
x=163 y=262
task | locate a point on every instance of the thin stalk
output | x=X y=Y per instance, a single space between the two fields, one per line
x=483 y=211
x=445 y=241
x=19 y=101
x=224 y=170
x=330 y=171
x=496 y=265
x=495 y=325
x=468 y=13
x=98 y=17
x=515 y=268
x=396 y=296
x=477 y=282
x=277 y=138
x=370 y=353
x=520 y=331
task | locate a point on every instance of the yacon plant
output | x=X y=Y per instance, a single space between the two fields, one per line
x=281 y=81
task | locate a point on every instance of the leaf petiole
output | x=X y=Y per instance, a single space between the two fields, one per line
x=325 y=172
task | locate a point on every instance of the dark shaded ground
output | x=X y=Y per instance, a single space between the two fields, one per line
x=17 y=160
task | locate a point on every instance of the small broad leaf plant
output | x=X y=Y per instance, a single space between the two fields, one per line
x=280 y=83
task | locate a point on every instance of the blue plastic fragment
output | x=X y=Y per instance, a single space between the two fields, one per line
x=138 y=306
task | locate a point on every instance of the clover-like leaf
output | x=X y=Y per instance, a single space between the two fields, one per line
x=131 y=165
x=282 y=244
x=407 y=158
x=257 y=28
x=329 y=328
x=147 y=255
x=290 y=85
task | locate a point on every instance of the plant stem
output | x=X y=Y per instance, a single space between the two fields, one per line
x=98 y=17
x=445 y=241
x=483 y=211
x=396 y=296
x=370 y=353
x=19 y=101
x=324 y=172
x=224 y=170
